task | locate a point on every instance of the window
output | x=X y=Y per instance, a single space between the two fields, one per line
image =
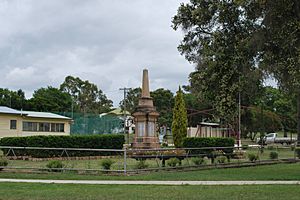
x=30 y=126
x=13 y=124
x=151 y=129
x=141 y=129
x=61 y=128
x=57 y=127
x=43 y=127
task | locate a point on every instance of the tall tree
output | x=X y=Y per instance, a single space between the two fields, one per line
x=179 y=123
x=280 y=49
x=86 y=95
x=163 y=100
x=218 y=40
x=13 y=99
x=132 y=100
x=50 y=99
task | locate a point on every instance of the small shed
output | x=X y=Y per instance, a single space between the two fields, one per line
x=206 y=129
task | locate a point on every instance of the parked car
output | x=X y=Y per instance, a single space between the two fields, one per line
x=273 y=138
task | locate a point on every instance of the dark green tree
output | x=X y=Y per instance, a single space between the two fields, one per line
x=179 y=123
x=218 y=40
x=163 y=100
x=279 y=51
x=50 y=99
x=13 y=99
x=86 y=95
x=132 y=100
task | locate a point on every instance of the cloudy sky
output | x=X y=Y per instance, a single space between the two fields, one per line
x=107 y=42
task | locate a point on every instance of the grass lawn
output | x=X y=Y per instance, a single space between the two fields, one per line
x=24 y=191
x=269 y=172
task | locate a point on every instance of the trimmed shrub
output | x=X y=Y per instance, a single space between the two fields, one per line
x=221 y=159
x=209 y=142
x=55 y=166
x=114 y=141
x=198 y=160
x=252 y=157
x=297 y=151
x=172 y=162
x=3 y=162
x=107 y=163
x=141 y=164
x=273 y=155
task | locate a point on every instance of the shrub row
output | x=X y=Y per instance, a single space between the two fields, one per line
x=114 y=141
x=209 y=142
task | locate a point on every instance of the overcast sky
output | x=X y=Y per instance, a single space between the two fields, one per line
x=107 y=42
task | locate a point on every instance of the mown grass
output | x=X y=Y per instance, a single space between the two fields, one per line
x=33 y=191
x=270 y=172
x=118 y=161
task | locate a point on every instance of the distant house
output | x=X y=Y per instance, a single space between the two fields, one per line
x=15 y=123
x=205 y=129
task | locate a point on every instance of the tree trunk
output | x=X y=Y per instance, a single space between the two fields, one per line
x=298 y=118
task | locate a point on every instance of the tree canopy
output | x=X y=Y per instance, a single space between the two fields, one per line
x=86 y=95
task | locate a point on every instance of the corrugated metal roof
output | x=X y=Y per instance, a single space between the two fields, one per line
x=7 y=110
x=209 y=124
x=44 y=115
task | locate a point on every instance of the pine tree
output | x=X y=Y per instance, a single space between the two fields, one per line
x=179 y=123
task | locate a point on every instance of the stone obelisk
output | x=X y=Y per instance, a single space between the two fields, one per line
x=145 y=118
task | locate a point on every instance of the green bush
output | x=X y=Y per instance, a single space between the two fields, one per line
x=221 y=159
x=55 y=165
x=273 y=155
x=3 y=162
x=172 y=162
x=297 y=150
x=209 y=142
x=270 y=147
x=141 y=164
x=114 y=141
x=107 y=163
x=198 y=160
x=252 y=157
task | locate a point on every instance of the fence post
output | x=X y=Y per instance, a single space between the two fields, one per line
x=125 y=161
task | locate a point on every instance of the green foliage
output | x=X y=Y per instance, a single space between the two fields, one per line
x=172 y=162
x=89 y=141
x=221 y=159
x=107 y=163
x=13 y=99
x=132 y=100
x=86 y=96
x=209 y=142
x=179 y=123
x=55 y=165
x=252 y=157
x=198 y=160
x=141 y=164
x=164 y=101
x=3 y=162
x=273 y=155
x=50 y=99
x=297 y=151
x=217 y=39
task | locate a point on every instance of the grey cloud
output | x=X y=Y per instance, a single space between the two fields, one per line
x=108 y=42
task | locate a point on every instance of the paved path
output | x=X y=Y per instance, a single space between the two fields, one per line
x=108 y=182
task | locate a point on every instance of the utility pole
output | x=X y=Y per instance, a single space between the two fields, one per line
x=239 y=116
x=124 y=111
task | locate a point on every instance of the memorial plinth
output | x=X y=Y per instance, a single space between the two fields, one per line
x=145 y=118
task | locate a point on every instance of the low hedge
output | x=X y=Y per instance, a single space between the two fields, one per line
x=209 y=142
x=114 y=141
